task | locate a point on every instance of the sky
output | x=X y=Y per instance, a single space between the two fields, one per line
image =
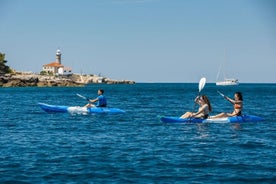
x=144 y=40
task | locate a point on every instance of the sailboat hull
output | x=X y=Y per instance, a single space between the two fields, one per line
x=228 y=82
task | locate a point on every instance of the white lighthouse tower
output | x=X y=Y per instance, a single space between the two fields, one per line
x=58 y=57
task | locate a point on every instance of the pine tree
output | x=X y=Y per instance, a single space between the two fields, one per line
x=3 y=67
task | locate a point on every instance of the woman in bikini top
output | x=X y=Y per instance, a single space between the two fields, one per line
x=237 y=104
x=203 y=111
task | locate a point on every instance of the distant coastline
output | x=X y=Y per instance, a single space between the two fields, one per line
x=29 y=79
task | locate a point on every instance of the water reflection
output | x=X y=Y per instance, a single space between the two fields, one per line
x=203 y=130
x=236 y=126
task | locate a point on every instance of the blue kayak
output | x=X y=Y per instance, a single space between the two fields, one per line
x=79 y=110
x=235 y=119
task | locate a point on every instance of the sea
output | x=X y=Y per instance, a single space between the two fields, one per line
x=136 y=147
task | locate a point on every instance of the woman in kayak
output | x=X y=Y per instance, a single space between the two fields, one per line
x=101 y=100
x=203 y=110
x=237 y=103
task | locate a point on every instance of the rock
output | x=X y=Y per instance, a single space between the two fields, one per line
x=24 y=80
x=29 y=79
x=87 y=79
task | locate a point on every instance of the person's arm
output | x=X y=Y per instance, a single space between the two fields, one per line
x=197 y=99
x=94 y=100
x=229 y=99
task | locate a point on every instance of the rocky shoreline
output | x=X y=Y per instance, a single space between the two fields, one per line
x=24 y=79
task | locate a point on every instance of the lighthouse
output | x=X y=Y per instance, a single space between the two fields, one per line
x=58 y=57
x=56 y=68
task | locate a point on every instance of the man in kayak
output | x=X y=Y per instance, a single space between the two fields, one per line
x=100 y=100
x=237 y=103
x=203 y=110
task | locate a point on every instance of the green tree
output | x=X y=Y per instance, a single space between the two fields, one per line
x=3 y=67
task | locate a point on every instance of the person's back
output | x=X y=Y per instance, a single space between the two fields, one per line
x=205 y=112
x=101 y=101
x=204 y=109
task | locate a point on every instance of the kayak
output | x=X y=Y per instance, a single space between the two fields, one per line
x=235 y=119
x=79 y=110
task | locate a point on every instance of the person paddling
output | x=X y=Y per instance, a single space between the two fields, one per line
x=101 y=100
x=237 y=104
x=203 y=110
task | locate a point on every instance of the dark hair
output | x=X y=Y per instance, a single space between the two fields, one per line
x=101 y=90
x=207 y=101
x=239 y=94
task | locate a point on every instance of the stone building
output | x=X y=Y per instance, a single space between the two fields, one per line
x=56 y=68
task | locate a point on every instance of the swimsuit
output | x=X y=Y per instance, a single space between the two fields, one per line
x=238 y=106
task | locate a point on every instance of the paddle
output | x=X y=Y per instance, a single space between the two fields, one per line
x=201 y=85
x=227 y=98
x=83 y=97
x=221 y=94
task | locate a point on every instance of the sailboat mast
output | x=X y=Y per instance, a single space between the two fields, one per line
x=218 y=72
x=226 y=81
x=224 y=65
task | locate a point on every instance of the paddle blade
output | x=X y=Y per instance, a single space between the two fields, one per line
x=201 y=84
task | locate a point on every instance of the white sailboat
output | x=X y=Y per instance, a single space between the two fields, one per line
x=226 y=81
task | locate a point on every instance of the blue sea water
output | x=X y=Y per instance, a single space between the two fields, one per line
x=135 y=147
